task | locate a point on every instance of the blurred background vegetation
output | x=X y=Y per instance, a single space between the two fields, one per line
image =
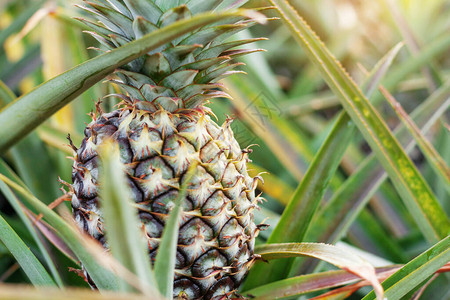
x=282 y=106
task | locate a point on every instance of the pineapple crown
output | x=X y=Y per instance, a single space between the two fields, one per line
x=182 y=74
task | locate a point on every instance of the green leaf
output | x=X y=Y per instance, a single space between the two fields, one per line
x=432 y=76
x=334 y=255
x=308 y=283
x=297 y=216
x=340 y=211
x=433 y=157
x=27 y=292
x=104 y=279
x=125 y=239
x=15 y=203
x=31 y=159
x=23 y=115
x=13 y=73
x=414 y=63
x=6 y=95
x=289 y=145
x=167 y=249
x=26 y=259
x=410 y=184
x=273 y=186
x=20 y=21
x=416 y=271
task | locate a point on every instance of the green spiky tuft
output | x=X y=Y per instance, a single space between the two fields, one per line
x=182 y=74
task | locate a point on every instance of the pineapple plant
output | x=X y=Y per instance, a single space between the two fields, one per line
x=162 y=127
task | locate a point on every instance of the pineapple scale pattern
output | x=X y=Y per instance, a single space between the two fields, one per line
x=162 y=127
x=217 y=231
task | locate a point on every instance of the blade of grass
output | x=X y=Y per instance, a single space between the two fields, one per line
x=104 y=279
x=346 y=291
x=167 y=249
x=26 y=259
x=23 y=115
x=120 y=218
x=433 y=157
x=334 y=255
x=416 y=271
x=410 y=184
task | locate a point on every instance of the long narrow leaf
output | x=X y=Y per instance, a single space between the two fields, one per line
x=104 y=279
x=297 y=216
x=15 y=203
x=416 y=271
x=336 y=216
x=399 y=72
x=26 y=292
x=165 y=258
x=308 y=283
x=121 y=221
x=31 y=160
x=6 y=95
x=23 y=115
x=20 y=21
x=433 y=157
x=329 y=253
x=410 y=184
x=26 y=259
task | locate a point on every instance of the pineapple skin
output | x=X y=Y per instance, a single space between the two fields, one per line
x=162 y=127
x=217 y=231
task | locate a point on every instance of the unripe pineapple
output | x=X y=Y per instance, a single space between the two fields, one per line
x=162 y=127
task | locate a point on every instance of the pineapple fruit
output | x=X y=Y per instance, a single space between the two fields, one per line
x=162 y=127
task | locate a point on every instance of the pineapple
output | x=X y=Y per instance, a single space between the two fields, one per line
x=162 y=127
